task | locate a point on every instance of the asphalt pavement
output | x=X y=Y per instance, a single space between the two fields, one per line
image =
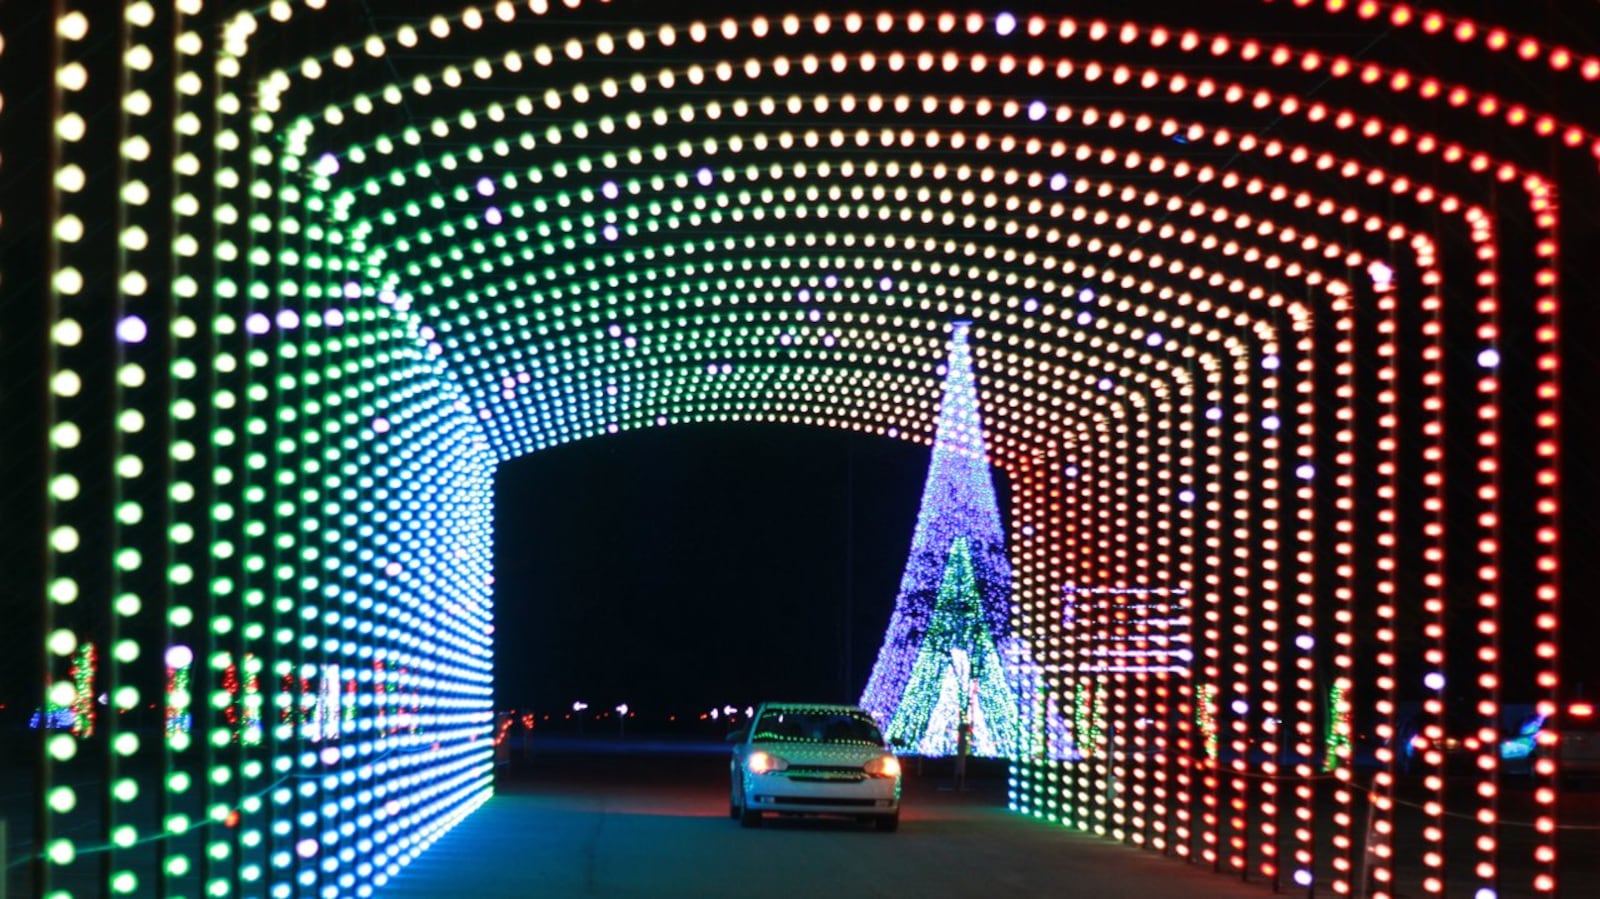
x=653 y=822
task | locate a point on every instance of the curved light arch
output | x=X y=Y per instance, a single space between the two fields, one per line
x=281 y=409
x=1348 y=176
x=436 y=130
x=647 y=253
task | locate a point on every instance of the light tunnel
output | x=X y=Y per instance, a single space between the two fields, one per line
x=1265 y=321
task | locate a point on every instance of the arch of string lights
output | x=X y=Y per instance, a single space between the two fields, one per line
x=1265 y=325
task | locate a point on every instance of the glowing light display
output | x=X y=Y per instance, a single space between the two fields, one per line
x=1088 y=717
x=948 y=661
x=179 y=695
x=84 y=664
x=1131 y=631
x=1205 y=720
x=958 y=696
x=1337 y=740
x=308 y=276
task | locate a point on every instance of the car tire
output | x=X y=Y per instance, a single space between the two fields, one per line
x=735 y=787
x=749 y=817
x=887 y=823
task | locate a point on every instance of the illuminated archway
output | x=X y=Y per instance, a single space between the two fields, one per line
x=359 y=263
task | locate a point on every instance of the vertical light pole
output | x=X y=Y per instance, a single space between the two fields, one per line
x=968 y=681
x=622 y=720
x=577 y=709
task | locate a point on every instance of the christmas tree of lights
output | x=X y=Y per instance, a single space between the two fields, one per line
x=958 y=679
x=958 y=504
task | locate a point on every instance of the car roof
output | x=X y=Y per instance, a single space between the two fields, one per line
x=813 y=707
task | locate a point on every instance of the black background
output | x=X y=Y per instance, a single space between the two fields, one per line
x=689 y=567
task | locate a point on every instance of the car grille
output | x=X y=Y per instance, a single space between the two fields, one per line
x=826 y=773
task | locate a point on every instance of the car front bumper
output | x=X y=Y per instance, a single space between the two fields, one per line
x=821 y=794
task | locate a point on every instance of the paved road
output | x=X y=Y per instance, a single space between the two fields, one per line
x=655 y=825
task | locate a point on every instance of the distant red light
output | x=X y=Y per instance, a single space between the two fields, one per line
x=1581 y=710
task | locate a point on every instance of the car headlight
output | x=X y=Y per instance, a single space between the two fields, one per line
x=764 y=762
x=883 y=766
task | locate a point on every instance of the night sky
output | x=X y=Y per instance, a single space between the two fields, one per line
x=684 y=568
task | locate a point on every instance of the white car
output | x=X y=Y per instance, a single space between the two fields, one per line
x=812 y=759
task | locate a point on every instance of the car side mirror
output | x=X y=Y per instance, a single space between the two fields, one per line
x=737 y=736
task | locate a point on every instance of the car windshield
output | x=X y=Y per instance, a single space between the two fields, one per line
x=790 y=725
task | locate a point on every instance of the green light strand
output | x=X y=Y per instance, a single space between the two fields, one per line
x=83 y=668
x=1205 y=719
x=1338 y=733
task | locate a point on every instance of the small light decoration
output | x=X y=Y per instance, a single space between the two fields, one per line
x=179 y=718
x=1205 y=721
x=1088 y=717
x=295 y=700
x=1134 y=631
x=1337 y=739
x=502 y=731
x=52 y=716
x=251 y=729
x=232 y=711
x=84 y=662
x=324 y=707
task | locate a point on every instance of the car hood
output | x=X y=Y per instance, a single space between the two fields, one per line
x=821 y=753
